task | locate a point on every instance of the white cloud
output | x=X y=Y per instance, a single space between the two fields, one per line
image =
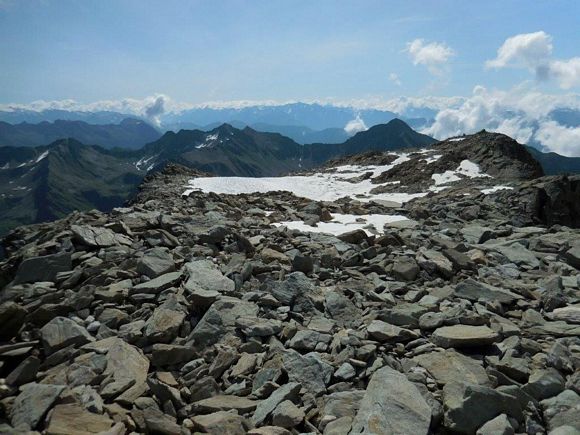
x=534 y=52
x=355 y=125
x=521 y=113
x=395 y=79
x=560 y=139
x=155 y=109
x=433 y=55
x=531 y=50
x=567 y=72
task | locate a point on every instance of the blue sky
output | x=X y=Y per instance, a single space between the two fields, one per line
x=196 y=51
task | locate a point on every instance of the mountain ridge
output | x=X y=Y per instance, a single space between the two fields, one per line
x=129 y=133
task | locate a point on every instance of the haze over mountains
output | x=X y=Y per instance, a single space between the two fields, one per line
x=129 y=133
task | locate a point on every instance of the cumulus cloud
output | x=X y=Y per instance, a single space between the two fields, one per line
x=534 y=52
x=395 y=79
x=522 y=114
x=560 y=139
x=155 y=109
x=355 y=125
x=432 y=55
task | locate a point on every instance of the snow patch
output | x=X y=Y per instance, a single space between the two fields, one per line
x=144 y=161
x=42 y=156
x=342 y=223
x=319 y=187
x=495 y=189
x=209 y=141
x=456 y=139
x=466 y=168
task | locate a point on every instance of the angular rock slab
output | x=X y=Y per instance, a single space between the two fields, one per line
x=72 y=419
x=43 y=268
x=468 y=406
x=392 y=405
x=32 y=403
x=451 y=366
x=266 y=407
x=204 y=275
x=61 y=332
x=464 y=336
x=126 y=364
x=220 y=319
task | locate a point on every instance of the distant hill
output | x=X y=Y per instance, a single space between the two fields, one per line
x=555 y=164
x=129 y=133
x=227 y=150
x=44 y=183
x=16 y=116
x=313 y=116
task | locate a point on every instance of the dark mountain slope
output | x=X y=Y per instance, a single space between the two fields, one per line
x=45 y=183
x=230 y=151
x=555 y=164
x=129 y=133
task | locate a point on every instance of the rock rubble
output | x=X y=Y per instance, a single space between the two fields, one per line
x=182 y=315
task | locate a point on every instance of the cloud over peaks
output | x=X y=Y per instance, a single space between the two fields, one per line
x=432 y=55
x=355 y=125
x=534 y=52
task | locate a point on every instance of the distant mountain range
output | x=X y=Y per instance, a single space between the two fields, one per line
x=16 y=116
x=555 y=164
x=43 y=183
x=46 y=182
x=130 y=133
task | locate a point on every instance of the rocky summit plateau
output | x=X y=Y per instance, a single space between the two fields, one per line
x=419 y=291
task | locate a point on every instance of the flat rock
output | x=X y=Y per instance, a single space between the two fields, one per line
x=32 y=403
x=469 y=406
x=157 y=285
x=225 y=403
x=463 y=336
x=62 y=332
x=474 y=291
x=287 y=391
x=205 y=276
x=44 y=268
x=386 y=332
x=221 y=422
x=310 y=370
x=392 y=405
x=72 y=419
x=155 y=262
x=452 y=366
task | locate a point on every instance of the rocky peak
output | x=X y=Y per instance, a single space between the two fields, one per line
x=497 y=154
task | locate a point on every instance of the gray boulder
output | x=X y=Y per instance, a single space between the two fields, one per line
x=392 y=405
x=44 y=268
x=62 y=332
x=155 y=262
x=32 y=403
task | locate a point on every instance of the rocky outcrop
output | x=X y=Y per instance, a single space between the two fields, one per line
x=194 y=314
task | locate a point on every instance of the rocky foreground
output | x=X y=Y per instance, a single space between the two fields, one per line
x=193 y=314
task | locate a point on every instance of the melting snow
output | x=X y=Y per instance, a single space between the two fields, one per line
x=42 y=156
x=5 y=166
x=495 y=189
x=209 y=140
x=318 y=187
x=432 y=159
x=456 y=139
x=466 y=168
x=343 y=223
x=143 y=161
